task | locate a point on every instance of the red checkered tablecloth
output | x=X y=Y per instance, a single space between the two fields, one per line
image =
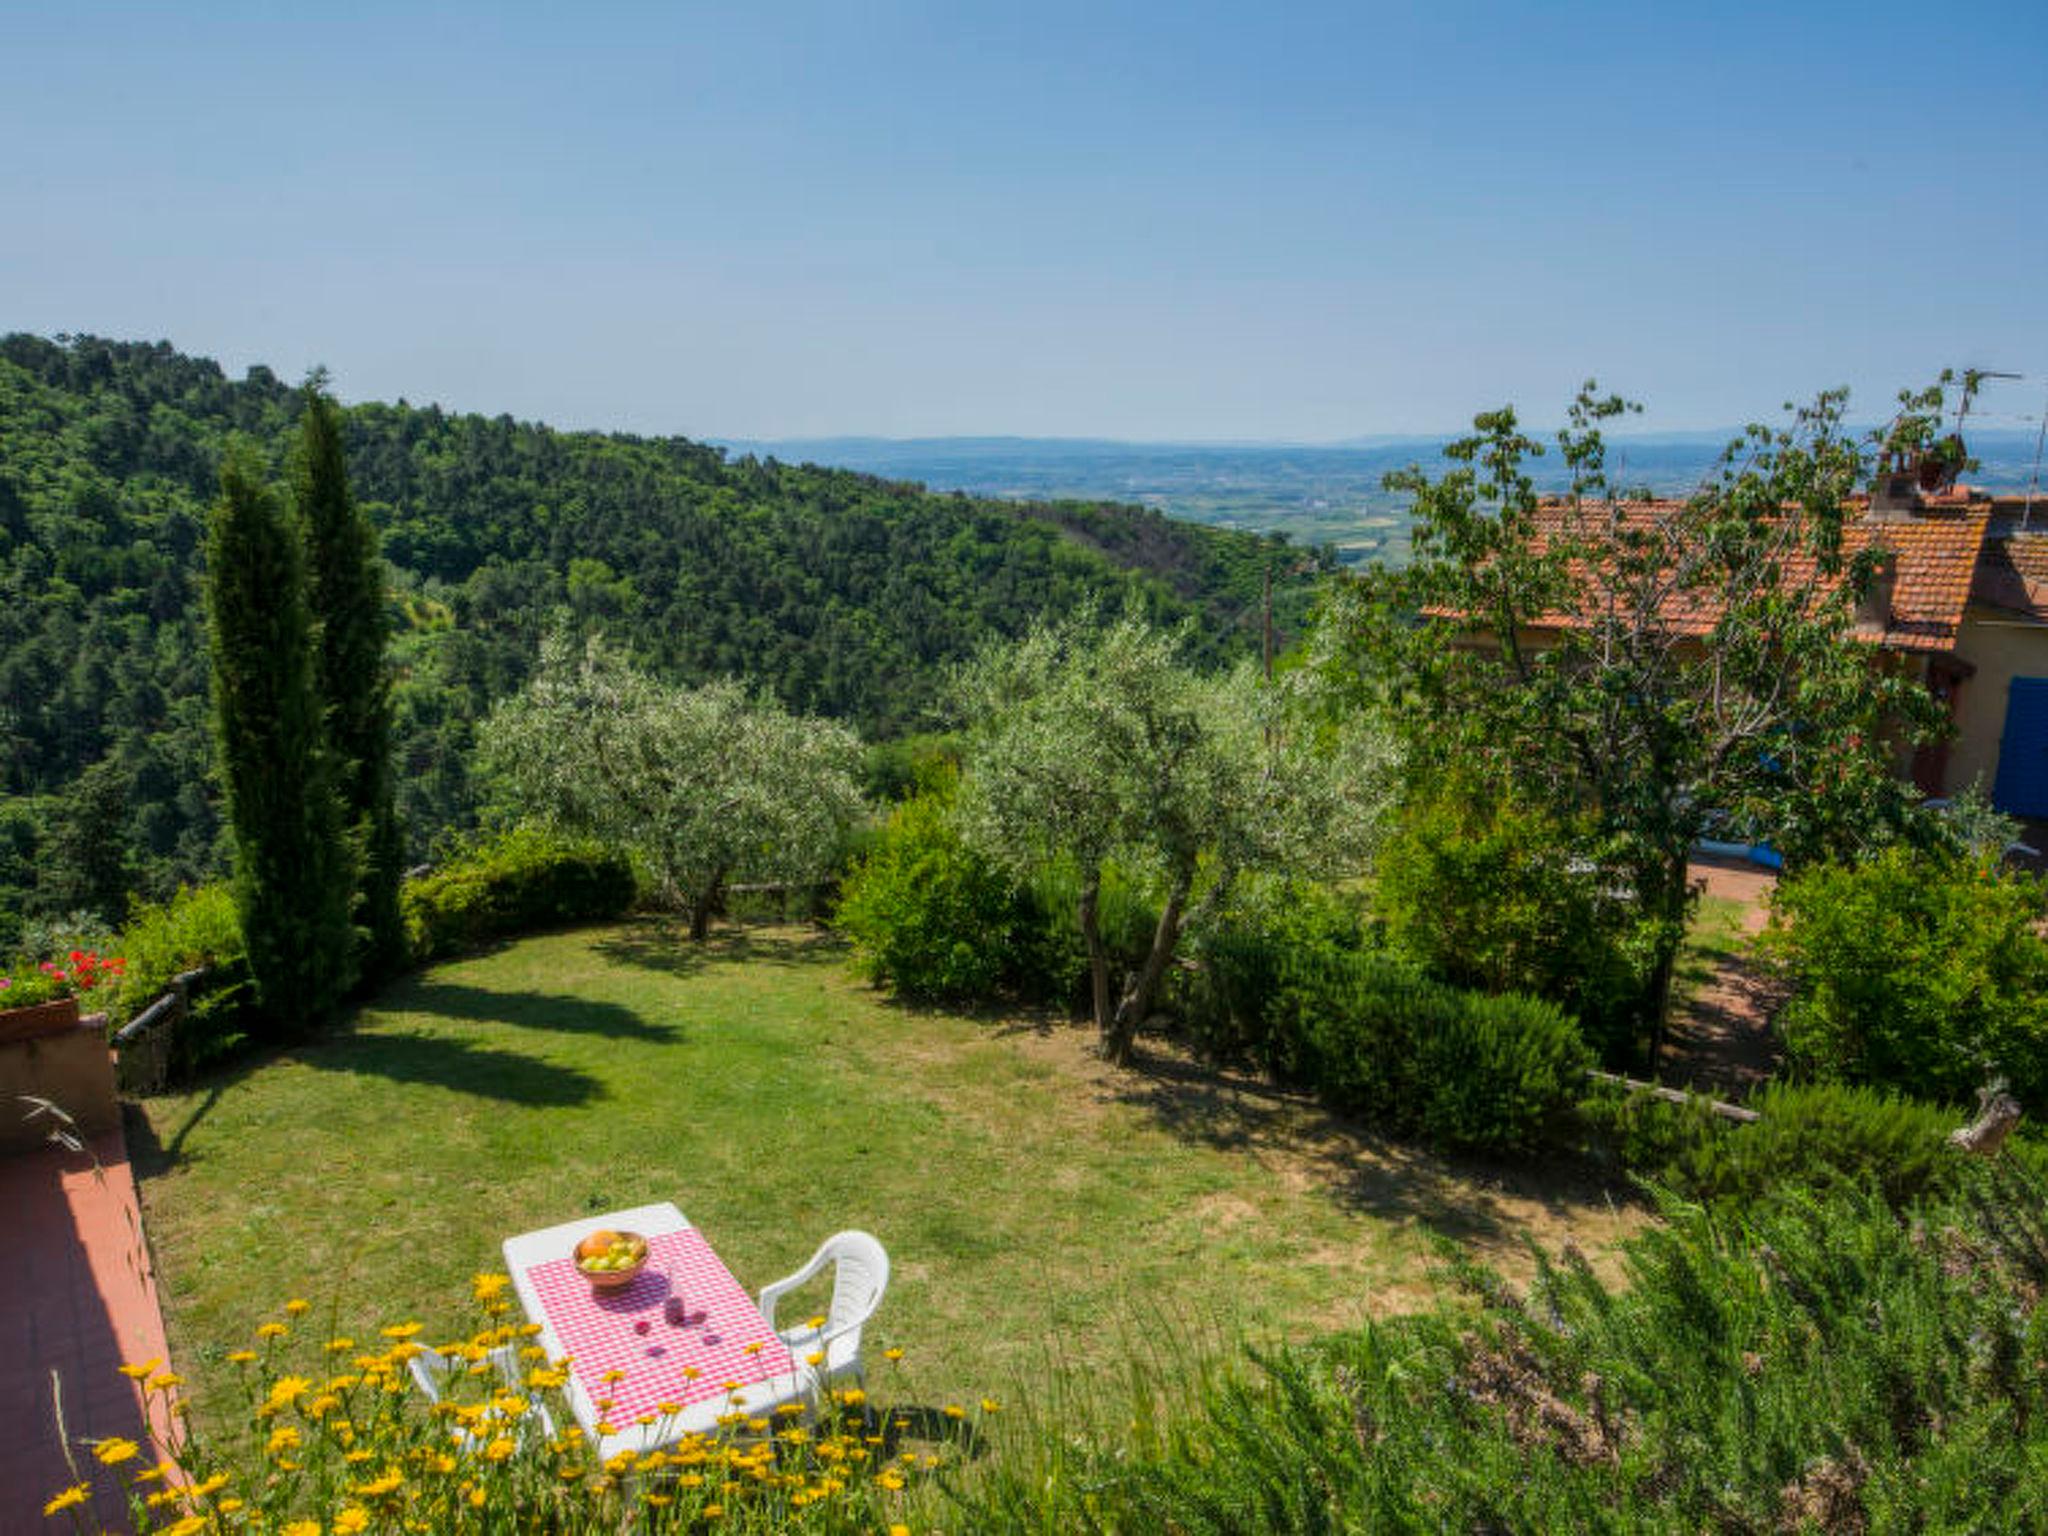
x=667 y=1364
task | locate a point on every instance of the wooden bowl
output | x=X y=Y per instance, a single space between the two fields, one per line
x=614 y=1279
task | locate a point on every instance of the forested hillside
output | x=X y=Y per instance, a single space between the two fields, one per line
x=843 y=594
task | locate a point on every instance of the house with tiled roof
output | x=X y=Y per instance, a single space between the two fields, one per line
x=1961 y=600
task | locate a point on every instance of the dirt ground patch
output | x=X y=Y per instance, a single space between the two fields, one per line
x=1720 y=1040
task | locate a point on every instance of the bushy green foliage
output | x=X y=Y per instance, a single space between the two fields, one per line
x=198 y=928
x=935 y=919
x=508 y=883
x=1807 y=1136
x=1488 y=889
x=1919 y=971
x=1274 y=924
x=1830 y=1365
x=1466 y=1070
x=929 y=916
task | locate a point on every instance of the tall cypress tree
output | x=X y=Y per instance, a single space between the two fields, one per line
x=293 y=874
x=345 y=586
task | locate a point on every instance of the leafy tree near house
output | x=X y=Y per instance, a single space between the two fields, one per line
x=345 y=590
x=1095 y=744
x=292 y=871
x=1537 y=642
x=708 y=785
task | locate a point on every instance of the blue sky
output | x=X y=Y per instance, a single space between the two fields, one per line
x=1161 y=221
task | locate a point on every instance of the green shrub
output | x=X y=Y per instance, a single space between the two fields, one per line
x=1486 y=891
x=197 y=929
x=518 y=880
x=1808 y=1136
x=935 y=920
x=1376 y=1038
x=1224 y=997
x=1052 y=964
x=1917 y=971
x=928 y=916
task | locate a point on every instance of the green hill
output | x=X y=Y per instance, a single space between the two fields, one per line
x=844 y=594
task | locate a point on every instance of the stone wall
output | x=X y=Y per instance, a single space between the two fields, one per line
x=72 y=1067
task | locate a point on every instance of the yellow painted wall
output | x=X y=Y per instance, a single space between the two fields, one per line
x=2000 y=649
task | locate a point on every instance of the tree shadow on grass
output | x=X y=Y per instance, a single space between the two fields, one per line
x=457 y=1065
x=523 y=1010
x=665 y=945
x=1466 y=1199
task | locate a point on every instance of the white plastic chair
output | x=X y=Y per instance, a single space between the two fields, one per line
x=860 y=1277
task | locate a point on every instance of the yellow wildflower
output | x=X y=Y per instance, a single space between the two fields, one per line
x=163 y=1381
x=955 y=1411
x=302 y=1528
x=70 y=1498
x=297 y=1305
x=191 y=1525
x=146 y=1368
x=990 y=1405
x=351 y=1520
x=272 y=1331
x=377 y=1487
x=487 y=1287
x=400 y=1330
x=892 y=1354
x=500 y=1448
x=116 y=1450
x=211 y=1486
x=894 y=1530
x=340 y=1346
x=242 y=1356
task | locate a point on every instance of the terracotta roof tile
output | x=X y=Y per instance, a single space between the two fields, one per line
x=1936 y=562
x=2012 y=573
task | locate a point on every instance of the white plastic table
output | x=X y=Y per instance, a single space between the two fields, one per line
x=674 y=1380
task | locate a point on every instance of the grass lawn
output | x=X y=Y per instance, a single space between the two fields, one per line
x=1037 y=1204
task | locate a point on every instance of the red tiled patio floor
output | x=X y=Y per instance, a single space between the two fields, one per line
x=77 y=1298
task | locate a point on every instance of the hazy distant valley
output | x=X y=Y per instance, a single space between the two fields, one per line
x=1314 y=494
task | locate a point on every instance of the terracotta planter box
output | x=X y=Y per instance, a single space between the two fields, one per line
x=38 y=1019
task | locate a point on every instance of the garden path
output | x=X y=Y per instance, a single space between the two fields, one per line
x=1720 y=1038
x=77 y=1299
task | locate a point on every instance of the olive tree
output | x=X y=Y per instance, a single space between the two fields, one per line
x=708 y=785
x=1093 y=743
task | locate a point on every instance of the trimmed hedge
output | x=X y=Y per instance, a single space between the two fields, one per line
x=522 y=879
x=1465 y=1070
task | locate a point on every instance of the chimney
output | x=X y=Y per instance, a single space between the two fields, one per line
x=1874 y=607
